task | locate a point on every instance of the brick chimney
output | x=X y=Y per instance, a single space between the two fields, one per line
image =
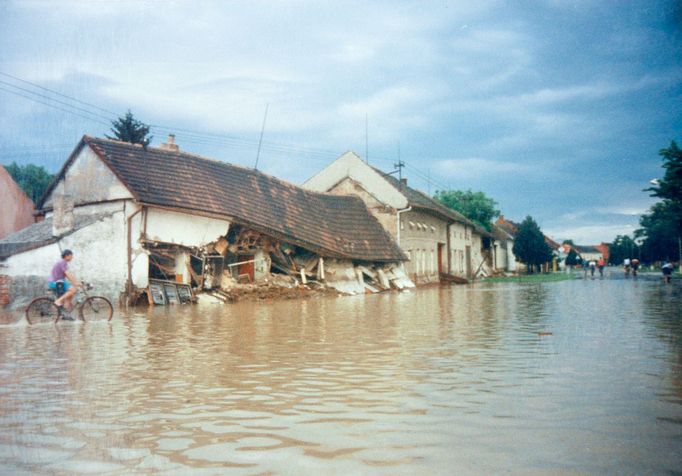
x=170 y=145
x=63 y=220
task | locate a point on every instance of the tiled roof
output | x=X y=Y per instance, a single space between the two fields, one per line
x=587 y=249
x=419 y=199
x=331 y=225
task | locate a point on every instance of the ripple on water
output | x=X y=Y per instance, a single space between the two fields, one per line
x=444 y=380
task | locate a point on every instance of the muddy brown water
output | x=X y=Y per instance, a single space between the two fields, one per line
x=571 y=377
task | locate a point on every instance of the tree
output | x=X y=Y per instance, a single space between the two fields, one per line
x=572 y=258
x=129 y=129
x=476 y=206
x=32 y=179
x=661 y=226
x=530 y=246
x=623 y=247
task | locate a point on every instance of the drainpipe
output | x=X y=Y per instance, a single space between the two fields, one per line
x=130 y=254
x=398 y=224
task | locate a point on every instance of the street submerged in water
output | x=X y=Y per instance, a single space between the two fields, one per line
x=579 y=376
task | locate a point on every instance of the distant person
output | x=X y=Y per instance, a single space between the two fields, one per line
x=626 y=266
x=600 y=266
x=667 y=270
x=585 y=264
x=593 y=266
x=634 y=263
x=62 y=281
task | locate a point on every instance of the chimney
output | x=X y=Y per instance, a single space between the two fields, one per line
x=403 y=182
x=63 y=220
x=170 y=145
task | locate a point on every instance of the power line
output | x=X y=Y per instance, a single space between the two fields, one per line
x=57 y=93
x=53 y=106
x=49 y=98
x=188 y=135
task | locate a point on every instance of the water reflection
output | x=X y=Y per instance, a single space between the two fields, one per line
x=577 y=376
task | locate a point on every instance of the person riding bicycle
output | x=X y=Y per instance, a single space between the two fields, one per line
x=63 y=281
x=634 y=262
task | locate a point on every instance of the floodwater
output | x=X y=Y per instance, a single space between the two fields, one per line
x=572 y=377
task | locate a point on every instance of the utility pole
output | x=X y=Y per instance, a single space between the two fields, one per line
x=262 y=130
x=399 y=165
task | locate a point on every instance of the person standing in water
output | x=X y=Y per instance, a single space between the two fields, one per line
x=600 y=266
x=667 y=270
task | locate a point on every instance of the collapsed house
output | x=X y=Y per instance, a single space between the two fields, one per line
x=147 y=223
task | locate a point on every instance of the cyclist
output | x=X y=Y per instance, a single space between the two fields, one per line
x=61 y=278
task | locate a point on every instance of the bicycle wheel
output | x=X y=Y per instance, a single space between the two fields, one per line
x=96 y=308
x=42 y=310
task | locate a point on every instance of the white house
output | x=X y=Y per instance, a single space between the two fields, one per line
x=437 y=240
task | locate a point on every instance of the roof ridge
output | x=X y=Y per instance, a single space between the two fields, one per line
x=222 y=163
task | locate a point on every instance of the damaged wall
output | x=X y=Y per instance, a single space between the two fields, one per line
x=182 y=229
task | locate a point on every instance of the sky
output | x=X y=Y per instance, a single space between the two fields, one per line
x=555 y=109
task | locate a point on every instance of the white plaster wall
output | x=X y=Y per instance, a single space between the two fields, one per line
x=139 y=256
x=459 y=239
x=88 y=179
x=511 y=259
x=476 y=254
x=501 y=257
x=184 y=229
x=420 y=234
x=100 y=257
x=352 y=166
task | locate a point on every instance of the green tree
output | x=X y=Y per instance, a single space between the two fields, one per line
x=476 y=206
x=623 y=247
x=572 y=258
x=530 y=246
x=32 y=179
x=129 y=129
x=661 y=226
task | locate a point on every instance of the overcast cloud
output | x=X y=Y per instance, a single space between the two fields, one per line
x=556 y=109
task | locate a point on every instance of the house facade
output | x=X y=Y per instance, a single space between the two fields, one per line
x=437 y=240
x=135 y=215
x=16 y=208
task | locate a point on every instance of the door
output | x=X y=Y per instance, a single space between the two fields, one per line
x=467 y=261
x=440 y=258
x=246 y=267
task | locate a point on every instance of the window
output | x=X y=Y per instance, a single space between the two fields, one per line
x=433 y=229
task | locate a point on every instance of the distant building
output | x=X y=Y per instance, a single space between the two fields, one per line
x=16 y=209
x=437 y=240
x=511 y=228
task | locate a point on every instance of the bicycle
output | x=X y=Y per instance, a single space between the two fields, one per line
x=90 y=308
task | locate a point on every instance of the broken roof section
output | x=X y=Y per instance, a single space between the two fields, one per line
x=330 y=225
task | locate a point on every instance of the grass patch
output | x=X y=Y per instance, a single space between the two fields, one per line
x=534 y=278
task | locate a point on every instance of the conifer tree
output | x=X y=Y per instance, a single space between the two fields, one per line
x=129 y=129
